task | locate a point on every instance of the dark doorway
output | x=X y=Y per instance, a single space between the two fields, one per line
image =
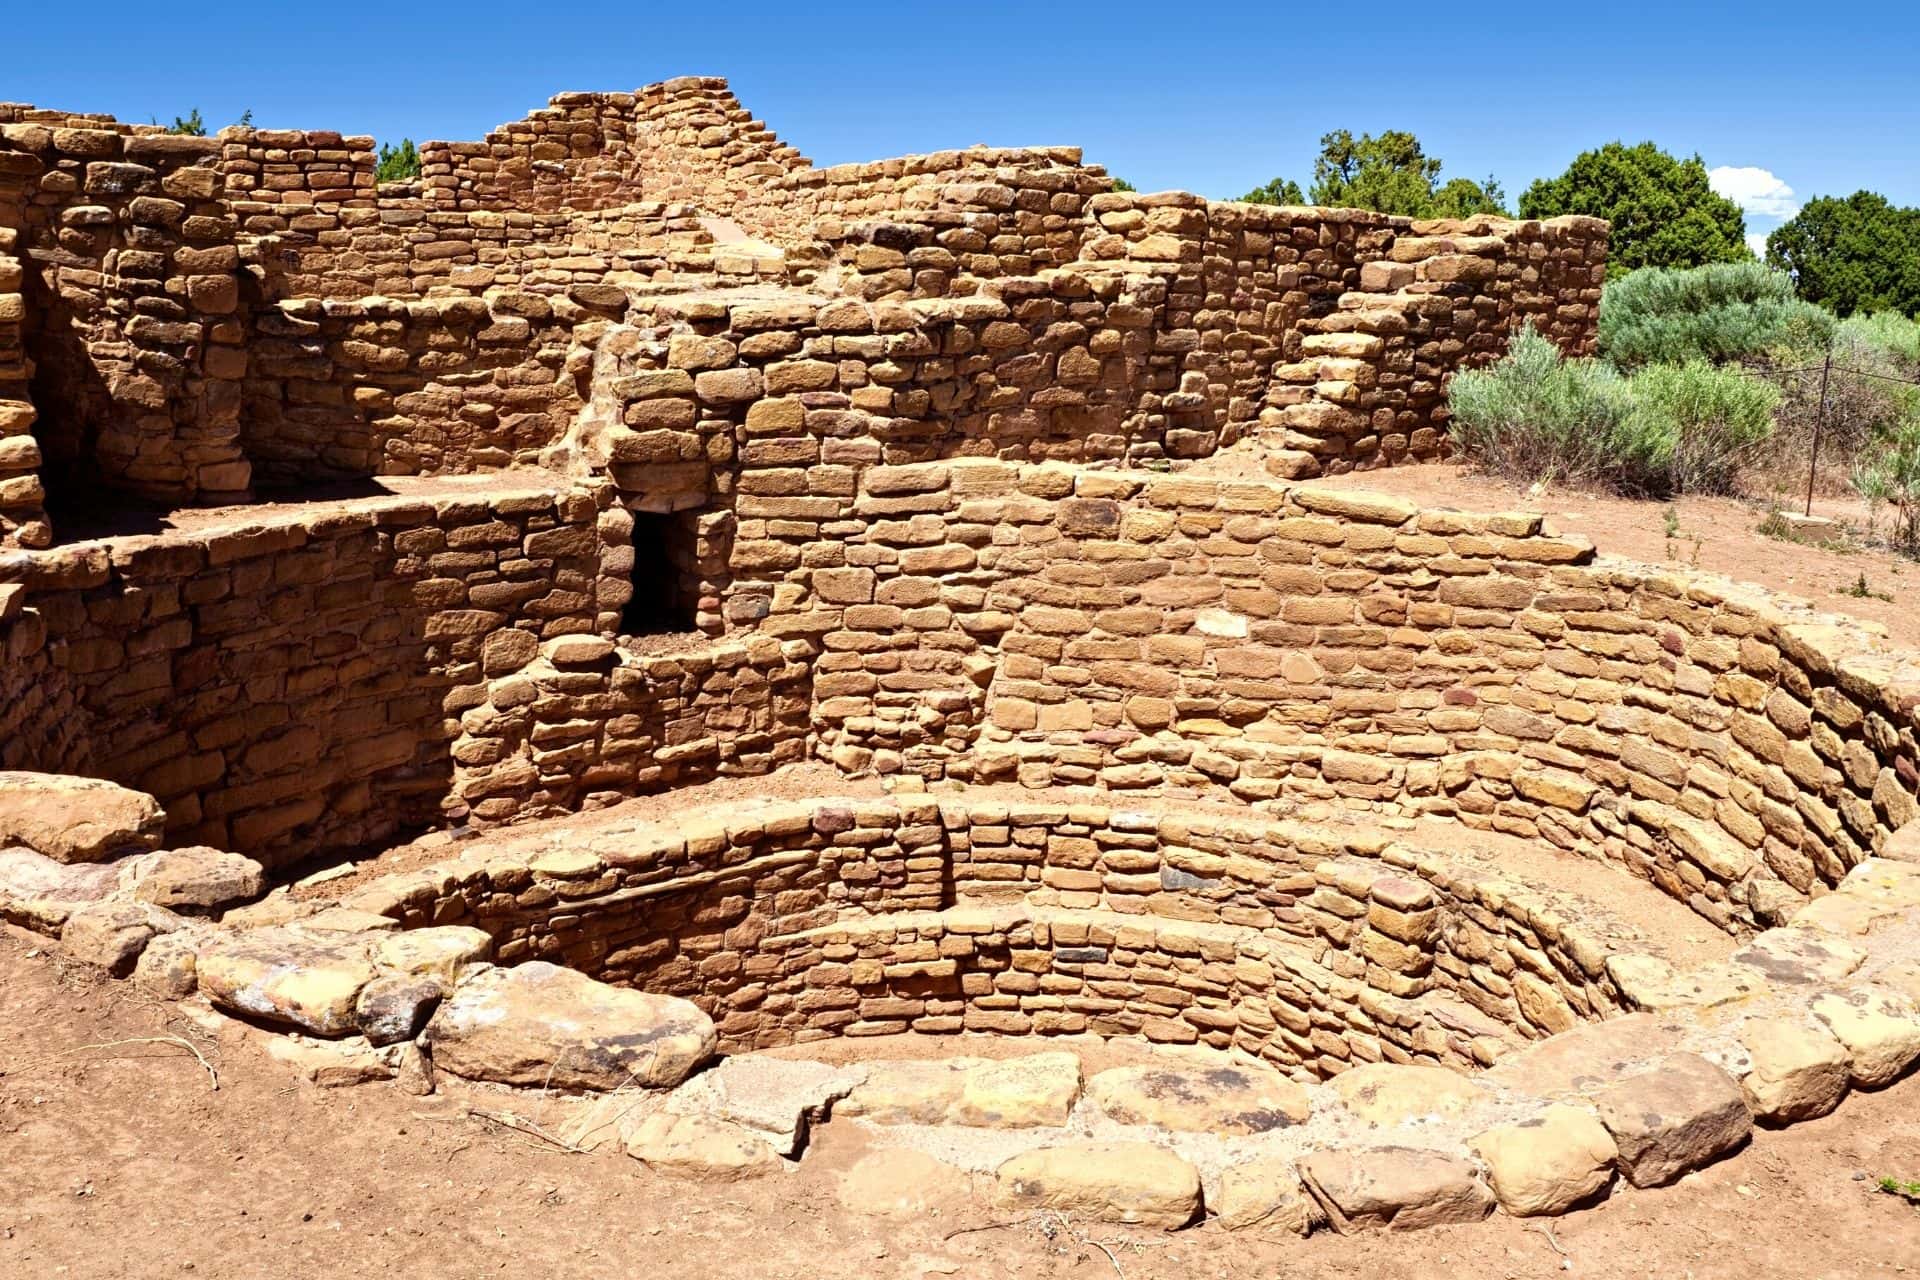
x=666 y=577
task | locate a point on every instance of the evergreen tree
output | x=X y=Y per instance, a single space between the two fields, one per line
x=397 y=164
x=1664 y=212
x=1860 y=254
x=1278 y=191
x=189 y=125
x=1390 y=173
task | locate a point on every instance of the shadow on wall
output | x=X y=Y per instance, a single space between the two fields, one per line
x=279 y=695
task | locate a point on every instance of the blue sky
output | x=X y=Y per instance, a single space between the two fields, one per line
x=1214 y=98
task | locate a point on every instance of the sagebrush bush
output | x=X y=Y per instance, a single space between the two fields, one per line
x=1538 y=416
x=1722 y=312
x=1869 y=392
x=1889 y=472
x=1713 y=419
x=1887 y=333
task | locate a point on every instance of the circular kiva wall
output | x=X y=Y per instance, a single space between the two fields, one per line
x=1314 y=946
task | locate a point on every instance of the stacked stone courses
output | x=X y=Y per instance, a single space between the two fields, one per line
x=626 y=452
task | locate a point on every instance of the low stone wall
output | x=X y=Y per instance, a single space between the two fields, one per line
x=389 y=387
x=133 y=297
x=23 y=519
x=793 y=921
x=584 y=724
x=985 y=621
x=286 y=688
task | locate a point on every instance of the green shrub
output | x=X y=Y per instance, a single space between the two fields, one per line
x=1721 y=312
x=1663 y=211
x=1889 y=472
x=1536 y=415
x=189 y=125
x=1888 y=333
x=1711 y=420
x=397 y=164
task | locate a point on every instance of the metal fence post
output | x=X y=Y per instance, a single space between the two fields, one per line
x=1819 y=421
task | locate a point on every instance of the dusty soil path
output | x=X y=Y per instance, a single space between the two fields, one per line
x=120 y=1161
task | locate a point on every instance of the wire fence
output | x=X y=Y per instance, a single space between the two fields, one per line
x=1826 y=369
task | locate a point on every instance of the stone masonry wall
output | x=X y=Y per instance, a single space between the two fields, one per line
x=291 y=687
x=682 y=140
x=23 y=518
x=986 y=621
x=197 y=308
x=131 y=299
x=793 y=921
x=383 y=387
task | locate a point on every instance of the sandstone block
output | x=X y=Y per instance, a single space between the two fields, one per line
x=1266 y=1193
x=702 y=1147
x=1797 y=1071
x=1387 y=1093
x=1394 y=1187
x=1547 y=1164
x=1233 y=1098
x=1880 y=1029
x=1681 y=1115
x=76 y=819
x=1127 y=1182
x=1019 y=1093
x=287 y=976
x=539 y=1024
x=199 y=879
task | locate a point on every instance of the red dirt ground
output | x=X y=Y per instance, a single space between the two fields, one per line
x=121 y=1162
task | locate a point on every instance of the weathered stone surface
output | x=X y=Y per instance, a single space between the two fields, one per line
x=909 y=1092
x=1796 y=1070
x=1575 y=1063
x=1879 y=1027
x=1799 y=956
x=288 y=976
x=1681 y=1115
x=898 y=1182
x=112 y=934
x=1386 y=1093
x=539 y=1024
x=394 y=1007
x=413 y=1071
x=440 y=952
x=1232 y=1098
x=198 y=879
x=38 y=893
x=1020 y=1093
x=777 y=1098
x=332 y=1064
x=76 y=819
x=1394 y=1186
x=1130 y=1182
x=702 y=1147
x=166 y=968
x=1650 y=983
x=1549 y=1163
x=1266 y=1193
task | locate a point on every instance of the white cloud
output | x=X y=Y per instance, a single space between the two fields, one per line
x=1757 y=241
x=1754 y=189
